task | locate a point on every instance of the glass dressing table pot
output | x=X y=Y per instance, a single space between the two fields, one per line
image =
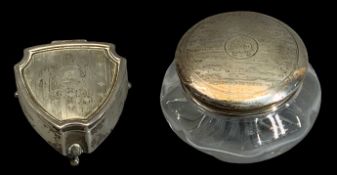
x=240 y=88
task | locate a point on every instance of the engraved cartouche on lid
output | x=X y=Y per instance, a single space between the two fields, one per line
x=241 y=62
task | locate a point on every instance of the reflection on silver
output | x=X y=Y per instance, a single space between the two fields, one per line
x=72 y=92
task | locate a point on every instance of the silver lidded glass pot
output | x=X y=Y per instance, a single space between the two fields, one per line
x=240 y=88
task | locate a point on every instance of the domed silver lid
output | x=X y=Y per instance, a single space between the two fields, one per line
x=241 y=63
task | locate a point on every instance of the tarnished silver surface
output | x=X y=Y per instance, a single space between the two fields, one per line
x=72 y=92
x=241 y=62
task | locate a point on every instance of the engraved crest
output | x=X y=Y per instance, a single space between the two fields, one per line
x=72 y=82
x=241 y=47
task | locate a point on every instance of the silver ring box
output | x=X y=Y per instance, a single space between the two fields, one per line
x=72 y=92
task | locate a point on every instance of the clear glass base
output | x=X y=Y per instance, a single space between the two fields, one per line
x=241 y=139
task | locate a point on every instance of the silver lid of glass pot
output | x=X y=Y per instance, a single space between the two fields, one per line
x=241 y=63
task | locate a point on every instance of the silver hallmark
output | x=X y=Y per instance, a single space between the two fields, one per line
x=72 y=92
